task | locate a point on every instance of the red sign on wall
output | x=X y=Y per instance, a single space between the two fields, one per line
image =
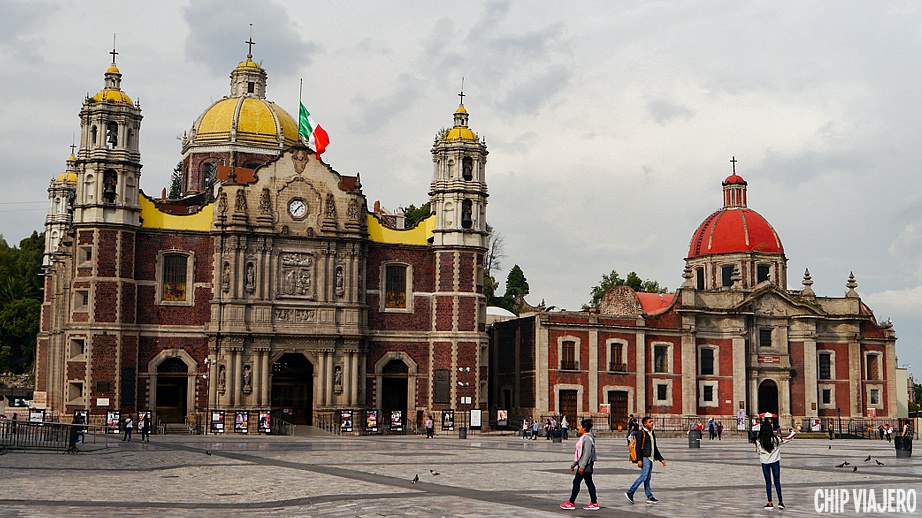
x=769 y=359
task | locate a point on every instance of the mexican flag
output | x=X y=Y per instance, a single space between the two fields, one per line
x=316 y=136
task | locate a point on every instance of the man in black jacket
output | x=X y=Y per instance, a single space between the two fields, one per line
x=648 y=452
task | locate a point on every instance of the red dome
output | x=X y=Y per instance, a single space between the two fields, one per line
x=734 y=179
x=735 y=229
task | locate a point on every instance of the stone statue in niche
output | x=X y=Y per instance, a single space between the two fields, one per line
x=353 y=211
x=240 y=204
x=265 y=202
x=222 y=378
x=331 y=206
x=339 y=281
x=222 y=203
x=338 y=379
x=247 y=379
x=300 y=156
x=251 y=277
x=225 y=278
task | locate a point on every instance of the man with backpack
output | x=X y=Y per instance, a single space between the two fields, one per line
x=644 y=451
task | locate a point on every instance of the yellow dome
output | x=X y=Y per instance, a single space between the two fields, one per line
x=112 y=70
x=67 y=177
x=112 y=96
x=249 y=63
x=461 y=109
x=460 y=133
x=256 y=121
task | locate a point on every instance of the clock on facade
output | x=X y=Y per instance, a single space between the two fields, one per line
x=297 y=208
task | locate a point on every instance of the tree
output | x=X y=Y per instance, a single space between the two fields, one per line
x=416 y=214
x=613 y=279
x=175 y=191
x=20 y=301
x=516 y=284
x=492 y=261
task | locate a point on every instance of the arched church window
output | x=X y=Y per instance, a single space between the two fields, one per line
x=109 y=185
x=699 y=278
x=89 y=188
x=209 y=173
x=763 y=272
x=395 y=286
x=251 y=87
x=174 y=277
x=466 y=214
x=467 y=168
x=112 y=135
x=94 y=133
x=726 y=276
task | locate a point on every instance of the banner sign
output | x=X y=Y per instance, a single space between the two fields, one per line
x=264 y=425
x=241 y=421
x=345 y=420
x=448 y=420
x=371 y=421
x=217 y=421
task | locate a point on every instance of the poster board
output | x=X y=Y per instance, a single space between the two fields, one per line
x=241 y=421
x=36 y=415
x=371 y=421
x=476 y=418
x=448 y=420
x=396 y=420
x=217 y=421
x=502 y=418
x=605 y=408
x=112 y=420
x=264 y=425
x=345 y=421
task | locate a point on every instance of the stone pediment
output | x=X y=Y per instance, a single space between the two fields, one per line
x=620 y=301
x=771 y=302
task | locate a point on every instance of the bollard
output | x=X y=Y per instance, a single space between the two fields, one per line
x=694 y=438
x=462 y=432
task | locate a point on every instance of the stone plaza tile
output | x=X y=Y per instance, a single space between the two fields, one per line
x=480 y=476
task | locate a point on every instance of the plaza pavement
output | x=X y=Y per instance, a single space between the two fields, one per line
x=480 y=476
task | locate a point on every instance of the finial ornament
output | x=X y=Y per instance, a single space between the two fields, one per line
x=250 y=43
x=114 y=53
x=808 y=283
x=461 y=94
x=851 y=285
x=733 y=161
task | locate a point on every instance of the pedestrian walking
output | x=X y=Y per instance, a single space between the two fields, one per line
x=712 y=429
x=632 y=426
x=564 y=427
x=720 y=430
x=525 y=428
x=583 y=464
x=648 y=452
x=145 y=424
x=534 y=430
x=880 y=432
x=547 y=429
x=129 y=426
x=769 y=448
x=430 y=428
x=888 y=432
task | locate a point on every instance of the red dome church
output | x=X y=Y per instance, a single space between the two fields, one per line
x=732 y=341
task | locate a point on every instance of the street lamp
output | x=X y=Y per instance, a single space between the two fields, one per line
x=839 y=414
x=207 y=378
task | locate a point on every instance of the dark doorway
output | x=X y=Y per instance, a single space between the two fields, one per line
x=768 y=397
x=568 y=406
x=394 y=386
x=618 y=401
x=172 y=391
x=293 y=388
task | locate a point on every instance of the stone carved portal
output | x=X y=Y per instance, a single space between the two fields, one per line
x=296 y=275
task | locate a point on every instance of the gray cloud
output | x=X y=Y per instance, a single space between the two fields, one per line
x=218 y=29
x=664 y=111
x=21 y=25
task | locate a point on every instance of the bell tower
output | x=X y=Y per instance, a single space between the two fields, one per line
x=108 y=162
x=458 y=193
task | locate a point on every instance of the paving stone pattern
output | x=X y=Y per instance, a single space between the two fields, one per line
x=371 y=476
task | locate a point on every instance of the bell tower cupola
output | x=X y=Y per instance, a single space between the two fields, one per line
x=108 y=162
x=458 y=193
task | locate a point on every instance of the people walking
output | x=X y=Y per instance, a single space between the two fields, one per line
x=564 y=427
x=525 y=428
x=144 y=424
x=720 y=430
x=648 y=452
x=583 y=463
x=769 y=448
x=129 y=426
x=430 y=428
x=534 y=430
x=712 y=429
x=632 y=426
x=888 y=432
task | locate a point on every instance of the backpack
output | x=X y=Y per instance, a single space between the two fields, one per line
x=632 y=450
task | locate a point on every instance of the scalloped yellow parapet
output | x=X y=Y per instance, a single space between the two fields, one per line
x=418 y=235
x=154 y=218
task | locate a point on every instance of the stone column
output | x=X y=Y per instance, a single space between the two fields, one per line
x=689 y=374
x=640 y=380
x=264 y=378
x=855 y=391
x=541 y=366
x=347 y=378
x=593 y=370
x=212 y=375
x=231 y=378
x=328 y=388
x=257 y=375
x=811 y=390
x=321 y=394
x=738 y=351
x=238 y=377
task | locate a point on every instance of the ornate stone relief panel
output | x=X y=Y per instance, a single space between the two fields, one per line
x=296 y=275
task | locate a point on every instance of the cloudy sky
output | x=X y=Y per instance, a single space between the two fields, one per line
x=610 y=125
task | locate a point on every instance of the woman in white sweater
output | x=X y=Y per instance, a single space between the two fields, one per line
x=769 y=446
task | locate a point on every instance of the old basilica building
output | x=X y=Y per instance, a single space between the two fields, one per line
x=733 y=341
x=268 y=284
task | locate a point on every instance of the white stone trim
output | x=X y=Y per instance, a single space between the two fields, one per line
x=716 y=358
x=630 y=397
x=568 y=386
x=190 y=278
x=576 y=352
x=622 y=344
x=880 y=366
x=832 y=364
x=662 y=402
x=382 y=286
x=715 y=396
x=880 y=396
x=832 y=396
x=191 y=376
x=670 y=368
x=412 y=371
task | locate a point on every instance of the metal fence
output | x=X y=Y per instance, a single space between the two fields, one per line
x=25 y=435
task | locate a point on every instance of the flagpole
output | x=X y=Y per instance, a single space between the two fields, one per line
x=300 y=87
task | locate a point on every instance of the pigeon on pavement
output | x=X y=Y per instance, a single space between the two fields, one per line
x=434 y=473
x=415 y=479
x=867 y=459
x=854 y=469
x=841 y=465
x=879 y=463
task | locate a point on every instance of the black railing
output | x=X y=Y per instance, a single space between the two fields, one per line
x=566 y=365
x=25 y=435
x=617 y=367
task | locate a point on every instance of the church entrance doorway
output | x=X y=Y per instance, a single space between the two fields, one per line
x=172 y=391
x=618 y=401
x=293 y=389
x=394 y=387
x=768 y=397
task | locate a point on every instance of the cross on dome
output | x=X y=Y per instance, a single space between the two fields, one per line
x=114 y=53
x=250 y=43
x=733 y=161
x=461 y=94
